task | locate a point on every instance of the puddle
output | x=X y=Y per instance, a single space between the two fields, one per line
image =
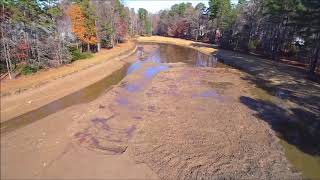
x=122 y=101
x=307 y=164
x=129 y=131
x=209 y=94
x=133 y=87
x=134 y=66
x=152 y=71
x=296 y=129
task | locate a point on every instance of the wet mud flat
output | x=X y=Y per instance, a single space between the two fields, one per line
x=182 y=132
x=204 y=132
x=180 y=119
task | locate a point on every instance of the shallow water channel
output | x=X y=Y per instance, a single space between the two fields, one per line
x=160 y=58
x=164 y=54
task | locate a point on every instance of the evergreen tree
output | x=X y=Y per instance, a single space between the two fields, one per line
x=220 y=10
x=145 y=21
x=307 y=22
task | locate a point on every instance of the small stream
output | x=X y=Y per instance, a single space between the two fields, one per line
x=150 y=65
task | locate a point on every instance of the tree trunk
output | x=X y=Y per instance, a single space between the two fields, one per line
x=6 y=54
x=313 y=63
x=88 y=47
x=37 y=49
x=98 y=46
x=81 y=47
x=7 y=60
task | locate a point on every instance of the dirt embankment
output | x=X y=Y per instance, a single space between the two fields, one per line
x=62 y=81
x=23 y=83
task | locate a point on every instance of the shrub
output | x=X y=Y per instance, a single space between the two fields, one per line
x=29 y=69
x=77 y=54
x=253 y=44
x=106 y=43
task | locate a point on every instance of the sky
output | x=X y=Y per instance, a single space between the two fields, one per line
x=154 y=6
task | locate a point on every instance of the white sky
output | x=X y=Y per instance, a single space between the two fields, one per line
x=154 y=6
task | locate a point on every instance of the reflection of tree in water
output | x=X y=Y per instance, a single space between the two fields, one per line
x=205 y=61
x=173 y=54
x=140 y=51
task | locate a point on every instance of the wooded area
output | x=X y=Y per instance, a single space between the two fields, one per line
x=39 y=34
x=287 y=29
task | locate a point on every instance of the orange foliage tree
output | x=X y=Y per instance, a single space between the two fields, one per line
x=80 y=28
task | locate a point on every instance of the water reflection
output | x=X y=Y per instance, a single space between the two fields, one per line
x=209 y=94
x=175 y=54
x=152 y=71
x=158 y=60
x=134 y=66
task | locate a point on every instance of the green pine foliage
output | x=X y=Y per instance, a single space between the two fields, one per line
x=145 y=21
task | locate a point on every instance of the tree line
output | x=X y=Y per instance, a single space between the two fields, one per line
x=38 y=34
x=277 y=29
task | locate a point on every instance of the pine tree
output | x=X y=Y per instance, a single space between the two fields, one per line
x=307 y=21
x=221 y=12
x=144 y=19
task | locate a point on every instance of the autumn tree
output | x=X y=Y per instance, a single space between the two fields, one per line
x=83 y=25
x=26 y=27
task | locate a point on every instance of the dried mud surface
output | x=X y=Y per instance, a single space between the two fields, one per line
x=186 y=124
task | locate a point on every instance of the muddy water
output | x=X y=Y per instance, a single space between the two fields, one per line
x=164 y=54
x=175 y=54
